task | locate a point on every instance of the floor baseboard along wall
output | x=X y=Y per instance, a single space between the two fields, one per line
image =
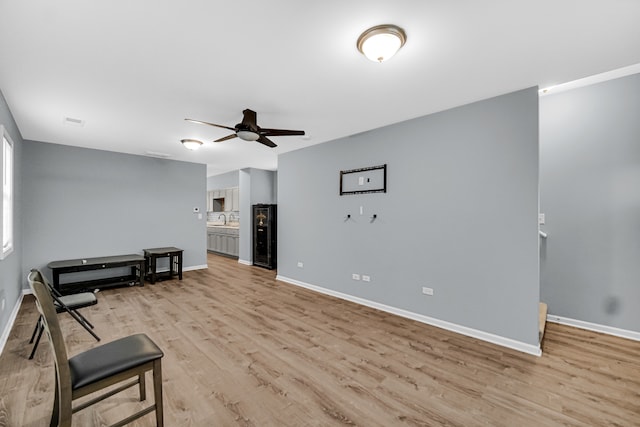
x=609 y=330
x=485 y=336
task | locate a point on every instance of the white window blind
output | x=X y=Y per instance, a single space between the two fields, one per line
x=7 y=194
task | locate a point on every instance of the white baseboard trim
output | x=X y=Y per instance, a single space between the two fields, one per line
x=470 y=332
x=244 y=262
x=195 y=267
x=610 y=330
x=12 y=319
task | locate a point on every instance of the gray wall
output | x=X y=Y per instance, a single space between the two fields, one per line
x=82 y=203
x=256 y=186
x=262 y=186
x=460 y=216
x=11 y=276
x=245 y=252
x=590 y=194
x=225 y=180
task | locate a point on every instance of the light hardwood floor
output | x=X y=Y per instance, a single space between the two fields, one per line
x=244 y=349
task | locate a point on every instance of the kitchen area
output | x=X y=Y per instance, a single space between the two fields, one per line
x=234 y=228
x=223 y=221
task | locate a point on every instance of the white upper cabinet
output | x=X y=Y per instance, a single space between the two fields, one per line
x=231 y=198
x=228 y=199
x=236 y=199
x=209 y=201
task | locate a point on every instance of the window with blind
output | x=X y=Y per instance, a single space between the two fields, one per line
x=7 y=194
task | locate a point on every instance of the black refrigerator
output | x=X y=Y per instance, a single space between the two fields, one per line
x=264 y=236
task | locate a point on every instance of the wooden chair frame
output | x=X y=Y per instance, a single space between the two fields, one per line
x=64 y=392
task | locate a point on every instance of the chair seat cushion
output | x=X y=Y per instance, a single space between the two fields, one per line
x=112 y=358
x=83 y=299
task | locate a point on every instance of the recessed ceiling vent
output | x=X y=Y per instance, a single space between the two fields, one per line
x=70 y=121
x=158 y=154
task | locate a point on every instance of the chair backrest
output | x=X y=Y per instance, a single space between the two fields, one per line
x=38 y=276
x=44 y=303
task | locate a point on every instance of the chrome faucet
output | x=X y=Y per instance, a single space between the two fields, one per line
x=225 y=218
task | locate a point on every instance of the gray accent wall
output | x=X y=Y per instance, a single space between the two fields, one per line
x=11 y=275
x=81 y=203
x=459 y=216
x=263 y=188
x=590 y=194
x=244 y=251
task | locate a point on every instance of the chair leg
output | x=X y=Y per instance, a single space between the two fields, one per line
x=33 y=335
x=143 y=386
x=35 y=345
x=157 y=392
x=84 y=319
x=76 y=316
x=55 y=413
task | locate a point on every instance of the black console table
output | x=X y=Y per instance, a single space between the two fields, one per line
x=175 y=263
x=136 y=262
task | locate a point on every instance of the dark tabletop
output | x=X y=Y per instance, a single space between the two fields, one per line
x=93 y=261
x=160 y=251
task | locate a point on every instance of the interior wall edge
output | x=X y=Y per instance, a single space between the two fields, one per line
x=534 y=350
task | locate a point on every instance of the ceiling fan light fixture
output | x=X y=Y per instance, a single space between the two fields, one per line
x=247 y=135
x=191 y=144
x=381 y=42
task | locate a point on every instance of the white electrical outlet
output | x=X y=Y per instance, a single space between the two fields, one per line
x=355 y=276
x=300 y=264
x=366 y=278
x=427 y=291
x=540 y=219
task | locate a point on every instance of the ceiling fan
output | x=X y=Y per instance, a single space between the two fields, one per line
x=249 y=130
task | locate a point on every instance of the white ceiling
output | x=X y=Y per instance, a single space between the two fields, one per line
x=133 y=70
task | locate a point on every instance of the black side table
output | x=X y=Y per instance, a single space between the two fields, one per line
x=175 y=263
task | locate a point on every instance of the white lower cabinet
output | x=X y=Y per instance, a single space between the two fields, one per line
x=223 y=240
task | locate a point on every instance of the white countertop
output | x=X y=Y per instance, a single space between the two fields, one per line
x=234 y=225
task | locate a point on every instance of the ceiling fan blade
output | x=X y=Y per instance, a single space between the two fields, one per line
x=250 y=118
x=210 y=124
x=280 y=132
x=266 y=141
x=233 y=135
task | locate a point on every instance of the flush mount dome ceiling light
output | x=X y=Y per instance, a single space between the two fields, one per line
x=247 y=135
x=381 y=42
x=191 y=144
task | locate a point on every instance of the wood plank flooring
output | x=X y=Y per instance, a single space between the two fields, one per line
x=242 y=349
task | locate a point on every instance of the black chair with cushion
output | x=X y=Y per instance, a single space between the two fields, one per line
x=67 y=303
x=98 y=368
